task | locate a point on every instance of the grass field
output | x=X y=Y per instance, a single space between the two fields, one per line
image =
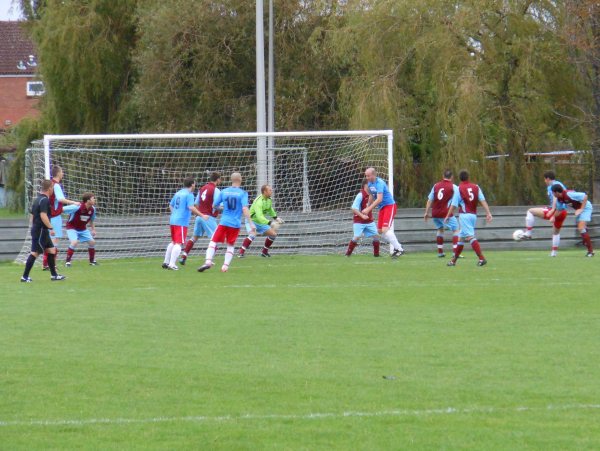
x=6 y=213
x=304 y=353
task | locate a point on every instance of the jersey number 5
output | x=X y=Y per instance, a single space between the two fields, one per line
x=471 y=195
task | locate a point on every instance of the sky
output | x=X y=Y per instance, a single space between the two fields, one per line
x=6 y=6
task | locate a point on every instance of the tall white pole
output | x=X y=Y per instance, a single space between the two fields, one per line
x=271 y=99
x=46 y=157
x=261 y=148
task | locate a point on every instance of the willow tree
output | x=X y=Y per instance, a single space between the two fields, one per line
x=84 y=52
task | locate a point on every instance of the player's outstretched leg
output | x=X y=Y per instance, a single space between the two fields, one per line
x=529 y=222
x=228 y=257
x=187 y=249
x=210 y=254
x=460 y=245
x=245 y=245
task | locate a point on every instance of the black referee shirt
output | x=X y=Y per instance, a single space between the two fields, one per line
x=41 y=204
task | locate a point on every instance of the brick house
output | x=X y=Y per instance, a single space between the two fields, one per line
x=20 y=88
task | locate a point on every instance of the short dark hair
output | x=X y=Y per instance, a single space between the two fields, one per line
x=214 y=176
x=55 y=170
x=264 y=188
x=550 y=175
x=46 y=185
x=87 y=196
x=447 y=173
x=188 y=181
x=463 y=175
x=556 y=188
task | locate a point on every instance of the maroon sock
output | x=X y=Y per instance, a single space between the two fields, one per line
x=92 y=253
x=45 y=259
x=459 y=249
x=376 y=248
x=268 y=242
x=454 y=240
x=351 y=245
x=188 y=247
x=587 y=241
x=440 y=244
x=245 y=245
x=70 y=252
x=477 y=248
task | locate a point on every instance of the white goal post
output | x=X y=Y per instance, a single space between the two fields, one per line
x=315 y=177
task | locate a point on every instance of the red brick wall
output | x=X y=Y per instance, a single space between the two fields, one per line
x=14 y=103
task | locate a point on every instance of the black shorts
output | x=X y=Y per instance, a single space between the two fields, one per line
x=40 y=240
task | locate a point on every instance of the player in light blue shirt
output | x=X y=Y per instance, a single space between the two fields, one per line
x=234 y=201
x=387 y=210
x=181 y=207
x=583 y=212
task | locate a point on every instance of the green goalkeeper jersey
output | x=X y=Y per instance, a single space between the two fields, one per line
x=261 y=207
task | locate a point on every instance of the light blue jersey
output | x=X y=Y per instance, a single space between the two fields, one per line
x=180 y=204
x=379 y=186
x=58 y=195
x=234 y=199
x=559 y=205
x=586 y=214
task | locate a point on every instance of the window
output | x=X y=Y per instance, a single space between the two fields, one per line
x=35 y=88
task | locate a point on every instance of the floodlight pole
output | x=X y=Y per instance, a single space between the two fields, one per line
x=261 y=148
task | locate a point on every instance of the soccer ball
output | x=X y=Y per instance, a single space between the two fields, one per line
x=518 y=235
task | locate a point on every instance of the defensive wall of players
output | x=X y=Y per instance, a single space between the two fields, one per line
x=415 y=234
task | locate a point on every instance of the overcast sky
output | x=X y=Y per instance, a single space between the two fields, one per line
x=6 y=6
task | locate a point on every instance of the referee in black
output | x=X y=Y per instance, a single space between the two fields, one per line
x=40 y=233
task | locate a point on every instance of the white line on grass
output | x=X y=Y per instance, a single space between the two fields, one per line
x=307 y=416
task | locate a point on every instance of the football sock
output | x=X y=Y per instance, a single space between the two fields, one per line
x=587 y=240
x=29 y=265
x=459 y=248
x=555 y=242
x=45 y=259
x=70 y=252
x=454 y=242
x=246 y=244
x=228 y=255
x=52 y=263
x=376 y=247
x=175 y=254
x=210 y=251
x=92 y=253
x=529 y=220
x=188 y=247
x=351 y=245
x=440 y=243
x=268 y=243
x=168 y=253
x=477 y=248
x=391 y=238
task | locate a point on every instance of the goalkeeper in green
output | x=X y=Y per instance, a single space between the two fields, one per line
x=261 y=207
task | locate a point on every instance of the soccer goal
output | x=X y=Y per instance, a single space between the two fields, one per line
x=315 y=177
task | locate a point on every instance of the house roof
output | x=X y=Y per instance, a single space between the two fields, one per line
x=17 y=53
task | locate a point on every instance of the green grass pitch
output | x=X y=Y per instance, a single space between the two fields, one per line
x=302 y=352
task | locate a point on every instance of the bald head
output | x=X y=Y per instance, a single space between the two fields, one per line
x=371 y=174
x=236 y=179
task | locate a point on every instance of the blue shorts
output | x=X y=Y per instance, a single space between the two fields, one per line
x=467 y=224
x=79 y=235
x=57 y=226
x=260 y=228
x=368 y=229
x=586 y=215
x=452 y=223
x=205 y=227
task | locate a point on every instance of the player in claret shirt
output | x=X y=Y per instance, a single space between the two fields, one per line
x=466 y=200
x=206 y=224
x=363 y=224
x=79 y=218
x=583 y=212
x=440 y=198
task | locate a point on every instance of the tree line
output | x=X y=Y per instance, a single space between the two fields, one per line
x=473 y=84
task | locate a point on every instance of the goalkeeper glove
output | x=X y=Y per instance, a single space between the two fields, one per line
x=279 y=220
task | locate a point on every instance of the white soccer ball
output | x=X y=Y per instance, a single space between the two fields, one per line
x=518 y=235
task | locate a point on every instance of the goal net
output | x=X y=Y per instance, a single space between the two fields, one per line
x=315 y=177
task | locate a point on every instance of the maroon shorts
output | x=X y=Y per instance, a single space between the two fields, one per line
x=559 y=217
x=225 y=234
x=178 y=234
x=386 y=216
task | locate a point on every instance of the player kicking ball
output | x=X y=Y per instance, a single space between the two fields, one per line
x=363 y=224
x=583 y=212
x=77 y=232
x=260 y=208
x=466 y=200
x=235 y=204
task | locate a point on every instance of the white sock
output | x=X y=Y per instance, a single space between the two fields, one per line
x=228 y=255
x=529 y=221
x=210 y=251
x=391 y=238
x=175 y=254
x=168 y=253
x=555 y=242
